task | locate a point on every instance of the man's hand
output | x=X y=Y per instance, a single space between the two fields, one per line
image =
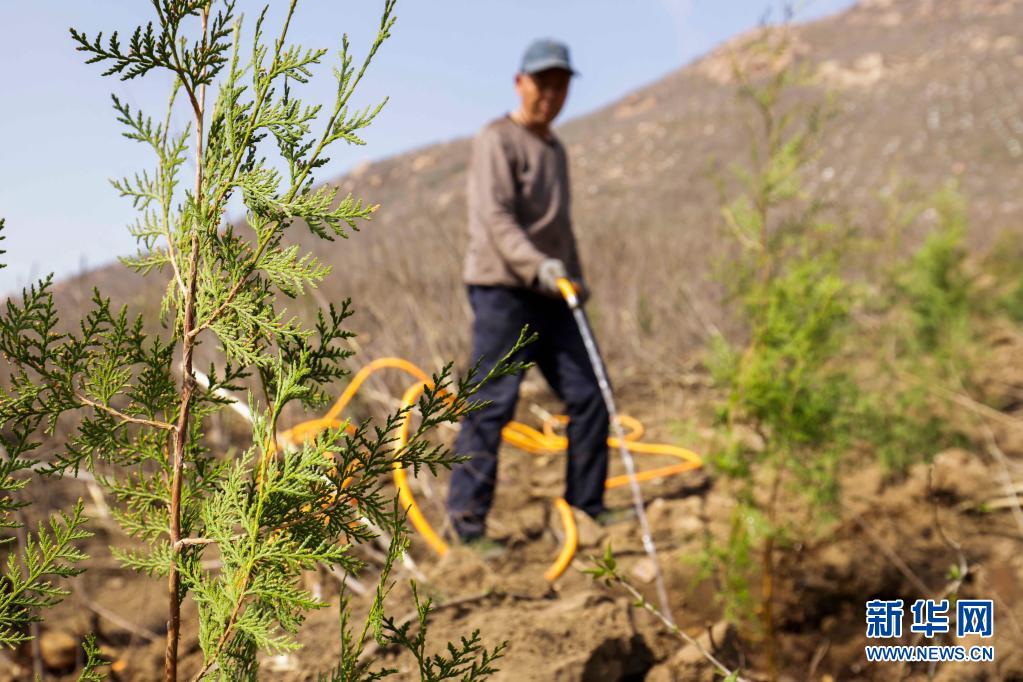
x=548 y=274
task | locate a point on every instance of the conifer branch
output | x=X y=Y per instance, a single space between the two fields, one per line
x=125 y=417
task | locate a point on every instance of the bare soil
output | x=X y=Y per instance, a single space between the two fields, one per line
x=895 y=538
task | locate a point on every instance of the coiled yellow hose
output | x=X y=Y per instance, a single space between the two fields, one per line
x=517 y=434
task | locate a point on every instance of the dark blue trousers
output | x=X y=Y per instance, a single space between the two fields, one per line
x=500 y=314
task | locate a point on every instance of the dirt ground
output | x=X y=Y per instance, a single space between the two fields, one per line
x=896 y=538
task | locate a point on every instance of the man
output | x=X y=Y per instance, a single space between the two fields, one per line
x=520 y=243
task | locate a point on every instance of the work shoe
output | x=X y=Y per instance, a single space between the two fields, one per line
x=487 y=548
x=609 y=517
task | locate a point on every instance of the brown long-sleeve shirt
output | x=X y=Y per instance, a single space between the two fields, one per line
x=519 y=207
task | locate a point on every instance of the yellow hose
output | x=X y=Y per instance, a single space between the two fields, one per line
x=517 y=434
x=568 y=547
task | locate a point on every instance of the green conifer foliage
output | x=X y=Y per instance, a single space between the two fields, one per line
x=790 y=396
x=30 y=578
x=273 y=511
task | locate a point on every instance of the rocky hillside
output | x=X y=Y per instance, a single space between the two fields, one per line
x=926 y=91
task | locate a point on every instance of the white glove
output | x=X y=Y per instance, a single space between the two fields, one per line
x=548 y=274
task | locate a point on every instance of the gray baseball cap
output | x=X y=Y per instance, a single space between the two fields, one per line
x=546 y=54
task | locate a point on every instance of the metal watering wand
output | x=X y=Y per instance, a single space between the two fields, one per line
x=569 y=293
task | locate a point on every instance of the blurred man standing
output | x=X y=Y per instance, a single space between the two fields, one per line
x=520 y=243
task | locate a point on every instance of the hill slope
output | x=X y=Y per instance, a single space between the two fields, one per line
x=925 y=90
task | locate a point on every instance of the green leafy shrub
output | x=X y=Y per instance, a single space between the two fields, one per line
x=927 y=308
x=935 y=286
x=790 y=392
